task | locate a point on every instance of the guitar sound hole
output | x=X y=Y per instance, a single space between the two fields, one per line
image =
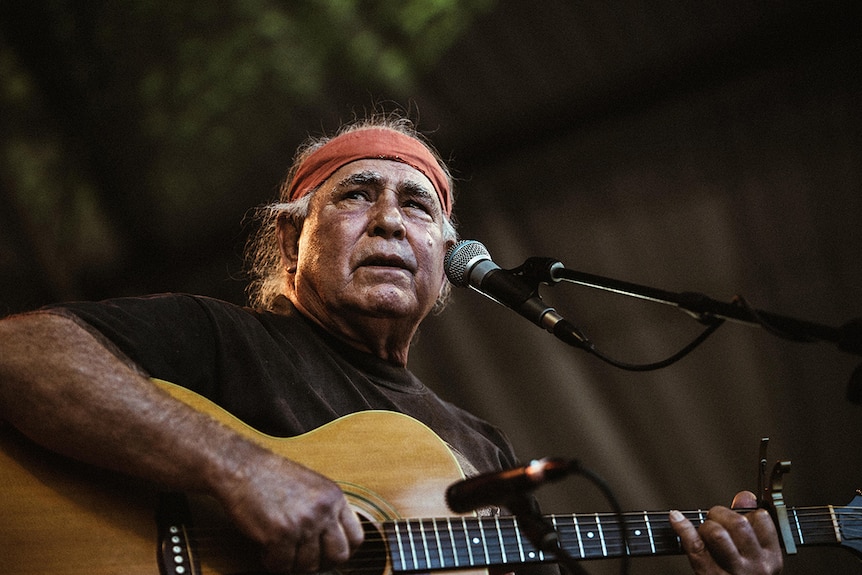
x=370 y=558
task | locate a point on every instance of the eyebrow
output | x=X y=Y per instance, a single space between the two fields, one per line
x=412 y=188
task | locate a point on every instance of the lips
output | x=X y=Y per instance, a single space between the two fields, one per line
x=387 y=261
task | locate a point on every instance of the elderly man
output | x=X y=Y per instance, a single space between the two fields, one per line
x=347 y=265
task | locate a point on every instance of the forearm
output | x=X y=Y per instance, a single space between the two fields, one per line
x=63 y=389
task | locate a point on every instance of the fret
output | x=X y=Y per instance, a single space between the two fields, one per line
x=601 y=535
x=490 y=544
x=396 y=545
x=649 y=532
x=445 y=543
x=499 y=541
x=593 y=547
x=577 y=528
x=613 y=534
x=421 y=545
x=817 y=525
x=518 y=540
x=585 y=529
x=458 y=559
x=431 y=550
x=566 y=536
x=561 y=538
x=639 y=532
x=473 y=539
x=531 y=552
x=438 y=544
x=798 y=526
x=663 y=537
x=508 y=537
x=416 y=564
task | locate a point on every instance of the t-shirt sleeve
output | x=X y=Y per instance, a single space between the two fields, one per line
x=167 y=336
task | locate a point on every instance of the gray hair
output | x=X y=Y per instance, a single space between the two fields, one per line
x=267 y=274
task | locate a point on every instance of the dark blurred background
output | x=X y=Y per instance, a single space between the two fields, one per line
x=686 y=145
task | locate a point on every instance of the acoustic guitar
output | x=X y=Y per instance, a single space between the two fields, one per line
x=61 y=517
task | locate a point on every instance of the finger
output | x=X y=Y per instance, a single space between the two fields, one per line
x=767 y=534
x=730 y=538
x=335 y=546
x=744 y=500
x=691 y=542
x=739 y=542
x=308 y=558
x=764 y=527
x=279 y=556
x=352 y=528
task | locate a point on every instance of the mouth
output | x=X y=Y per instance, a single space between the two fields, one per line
x=387 y=261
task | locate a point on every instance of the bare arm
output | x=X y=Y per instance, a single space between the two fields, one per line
x=66 y=391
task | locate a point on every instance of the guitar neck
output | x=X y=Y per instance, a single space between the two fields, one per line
x=462 y=542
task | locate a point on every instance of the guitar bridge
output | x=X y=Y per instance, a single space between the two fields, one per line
x=173 y=519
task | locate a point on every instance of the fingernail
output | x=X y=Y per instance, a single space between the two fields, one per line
x=676 y=516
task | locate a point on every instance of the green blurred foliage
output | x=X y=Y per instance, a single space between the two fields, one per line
x=117 y=115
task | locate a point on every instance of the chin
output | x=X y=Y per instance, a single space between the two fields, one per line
x=389 y=304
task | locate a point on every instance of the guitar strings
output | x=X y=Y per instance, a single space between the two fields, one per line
x=823 y=521
x=818 y=524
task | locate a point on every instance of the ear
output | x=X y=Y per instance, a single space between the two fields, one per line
x=288 y=242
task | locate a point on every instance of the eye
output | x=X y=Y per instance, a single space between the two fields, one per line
x=420 y=205
x=356 y=194
x=415 y=204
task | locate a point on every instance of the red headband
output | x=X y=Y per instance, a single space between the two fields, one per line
x=370 y=143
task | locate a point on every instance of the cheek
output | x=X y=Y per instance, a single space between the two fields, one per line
x=432 y=260
x=312 y=257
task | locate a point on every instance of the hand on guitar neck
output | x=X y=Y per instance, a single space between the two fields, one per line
x=731 y=542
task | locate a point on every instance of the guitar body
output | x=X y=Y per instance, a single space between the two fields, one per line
x=58 y=516
x=61 y=517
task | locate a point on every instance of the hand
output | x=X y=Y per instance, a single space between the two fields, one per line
x=729 y=542
x=301 y=518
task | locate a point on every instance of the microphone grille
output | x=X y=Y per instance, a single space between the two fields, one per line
x=460 y=256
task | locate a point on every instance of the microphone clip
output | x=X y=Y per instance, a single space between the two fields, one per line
x=540 y=270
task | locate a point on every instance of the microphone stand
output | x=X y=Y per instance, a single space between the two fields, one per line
x=542 y=534
x=848 y=337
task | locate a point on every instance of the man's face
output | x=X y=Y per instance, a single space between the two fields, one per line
x=372 y=244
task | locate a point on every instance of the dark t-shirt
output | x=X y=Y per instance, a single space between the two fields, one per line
x=277 y=371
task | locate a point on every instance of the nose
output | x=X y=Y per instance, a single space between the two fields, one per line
x=387 y=220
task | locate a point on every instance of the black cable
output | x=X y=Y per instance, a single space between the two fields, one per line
x=606 y=490
x=589 y=346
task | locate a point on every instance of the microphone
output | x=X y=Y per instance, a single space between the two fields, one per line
x=505 y=487
x=468 y=264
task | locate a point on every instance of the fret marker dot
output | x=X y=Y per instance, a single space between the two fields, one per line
x=591 y=534
x=475 y=541
x=531 y=555
x=637 y=532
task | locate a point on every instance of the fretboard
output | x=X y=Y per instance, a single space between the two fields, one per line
x=464 y=542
